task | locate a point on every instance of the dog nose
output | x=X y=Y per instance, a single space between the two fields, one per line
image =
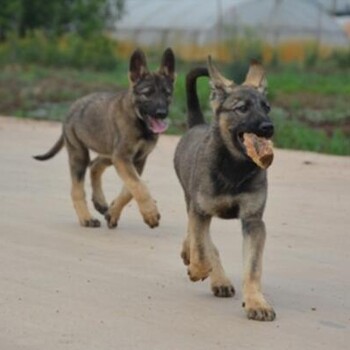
x=161 y=113
x=266 y=129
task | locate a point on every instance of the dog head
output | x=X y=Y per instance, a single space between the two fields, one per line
x=240 y=109
x=152 y=91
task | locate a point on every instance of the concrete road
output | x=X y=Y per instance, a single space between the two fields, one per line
x=67 y=287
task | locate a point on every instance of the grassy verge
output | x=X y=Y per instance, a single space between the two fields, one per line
x=310 y=109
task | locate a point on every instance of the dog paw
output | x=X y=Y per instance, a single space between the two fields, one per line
x=150 y=214
x=259 y=311
x=152 y=221
x=198 y=272
x=101 y=208
x=111 y=220
x=91 y=223
x=223 y=290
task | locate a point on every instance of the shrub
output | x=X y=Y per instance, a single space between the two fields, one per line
x=341 y=58
x=96 y=52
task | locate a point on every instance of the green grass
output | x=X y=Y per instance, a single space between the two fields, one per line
x=323 y=83
x=293 y=134
x=302 y=101
x=46 y=93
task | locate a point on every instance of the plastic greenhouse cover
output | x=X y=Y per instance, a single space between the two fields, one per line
x=199 y=19
x=180 y=14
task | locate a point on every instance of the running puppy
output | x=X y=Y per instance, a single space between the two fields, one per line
x=220 y=179
x=122 y=128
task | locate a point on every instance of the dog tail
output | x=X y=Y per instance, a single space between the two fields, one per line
x=53 y=151
x=194 y=112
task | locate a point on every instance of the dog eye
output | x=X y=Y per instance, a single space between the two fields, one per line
x=265 y=107
x=243 y=108
x=147 y=91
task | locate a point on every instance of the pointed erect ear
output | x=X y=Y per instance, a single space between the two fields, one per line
x=220 y=86
x=256 y=77
x=138 y=66
x=167 y=66
x=217 y=80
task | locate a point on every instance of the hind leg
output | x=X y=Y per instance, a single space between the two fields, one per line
x=113 y=214
x=78 y=163
x=97 y=167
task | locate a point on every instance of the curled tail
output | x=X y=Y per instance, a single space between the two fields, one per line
x=194 y=112
x=53 y=151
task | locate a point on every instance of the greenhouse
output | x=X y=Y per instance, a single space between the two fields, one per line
x=196 y=26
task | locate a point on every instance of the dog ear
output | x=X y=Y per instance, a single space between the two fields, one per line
x=137 y=66
x=256 y=77
x=167 y=66
x=220 y=86
x=217 y=80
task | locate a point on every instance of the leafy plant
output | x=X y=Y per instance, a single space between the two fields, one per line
x=57 y=17
x=98 y=52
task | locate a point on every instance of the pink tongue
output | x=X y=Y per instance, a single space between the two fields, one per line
x=157 y=125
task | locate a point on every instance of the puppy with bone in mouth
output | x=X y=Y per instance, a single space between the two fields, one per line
x=222 y=169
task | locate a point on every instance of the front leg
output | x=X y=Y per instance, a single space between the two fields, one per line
x=197 y=248
x=133 y=183
x=113 y=214
x=254 y=302
x=202 y=257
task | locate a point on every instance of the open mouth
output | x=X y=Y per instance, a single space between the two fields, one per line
x=156 y=125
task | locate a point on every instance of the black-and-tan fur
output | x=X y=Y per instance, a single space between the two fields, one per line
x=220 y=180
x=119 y=127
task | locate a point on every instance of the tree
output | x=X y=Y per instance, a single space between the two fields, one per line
x=56 y=17
x=10 y=12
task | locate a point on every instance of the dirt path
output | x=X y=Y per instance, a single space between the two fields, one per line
x=67 y=287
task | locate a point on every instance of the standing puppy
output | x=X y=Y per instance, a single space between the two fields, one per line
x=122 y=128
x=220 y=179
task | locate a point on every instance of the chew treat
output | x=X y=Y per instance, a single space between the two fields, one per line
x=259 y=150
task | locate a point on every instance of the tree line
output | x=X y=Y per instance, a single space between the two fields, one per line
x=56 y=17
